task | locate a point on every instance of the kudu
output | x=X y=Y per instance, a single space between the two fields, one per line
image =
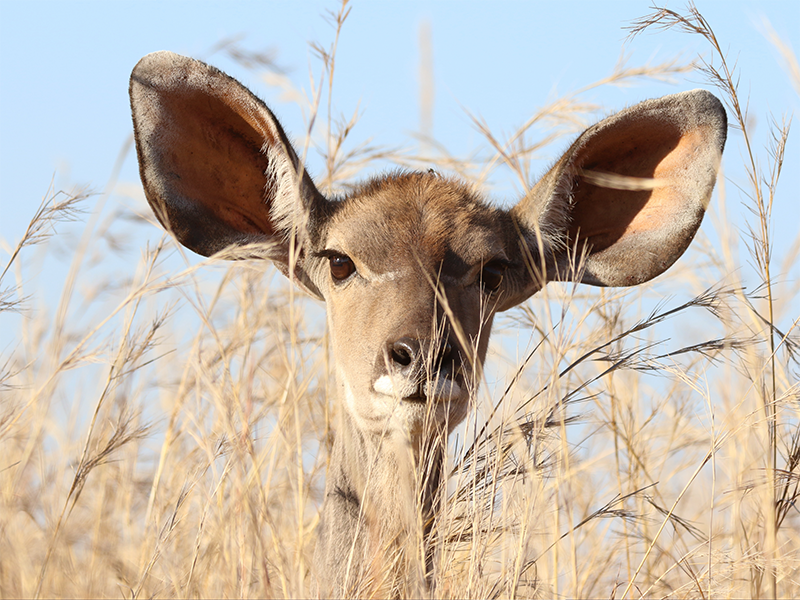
x=413 y=267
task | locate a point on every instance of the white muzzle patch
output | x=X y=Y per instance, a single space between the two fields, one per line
x=397 y=386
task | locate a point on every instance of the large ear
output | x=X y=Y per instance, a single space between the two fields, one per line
x=216 y=166
x=628 y=196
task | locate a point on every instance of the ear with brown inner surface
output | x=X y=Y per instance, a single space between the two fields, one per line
x=630 y=193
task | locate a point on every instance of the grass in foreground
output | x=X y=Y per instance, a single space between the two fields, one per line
x=168 y=435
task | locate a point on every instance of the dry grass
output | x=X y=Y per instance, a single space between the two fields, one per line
x=154 y=451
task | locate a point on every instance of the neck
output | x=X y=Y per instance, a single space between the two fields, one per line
x=381 y=496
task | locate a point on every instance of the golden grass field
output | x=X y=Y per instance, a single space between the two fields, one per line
x=637 y=446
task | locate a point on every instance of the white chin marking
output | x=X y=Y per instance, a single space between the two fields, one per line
x=400 y=387
x=389 y=386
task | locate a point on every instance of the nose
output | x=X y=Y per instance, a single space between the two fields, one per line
x=407 y=354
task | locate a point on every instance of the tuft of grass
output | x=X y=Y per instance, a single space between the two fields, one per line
x=166 y=431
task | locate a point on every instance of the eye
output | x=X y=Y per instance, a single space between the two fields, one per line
x=341 y=267
x=492 y=275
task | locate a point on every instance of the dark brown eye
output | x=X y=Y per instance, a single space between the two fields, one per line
x=492 y=276
x=341 y=267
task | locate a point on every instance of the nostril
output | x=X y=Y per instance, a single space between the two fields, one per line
x=404 y=351
x=447 y=352
x=447 y=356
x=401 y=356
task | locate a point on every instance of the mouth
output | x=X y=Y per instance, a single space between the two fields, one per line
x=440 y=389
x=418 y=397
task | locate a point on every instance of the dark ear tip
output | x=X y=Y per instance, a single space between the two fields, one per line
x=156 y=62
x=703 y=99
x=700 y=95
x=708 y=109
x=163 y=70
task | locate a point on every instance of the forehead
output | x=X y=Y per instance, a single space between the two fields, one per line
x=416 y=215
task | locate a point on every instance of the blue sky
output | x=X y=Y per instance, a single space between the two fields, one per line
x=64 y=69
